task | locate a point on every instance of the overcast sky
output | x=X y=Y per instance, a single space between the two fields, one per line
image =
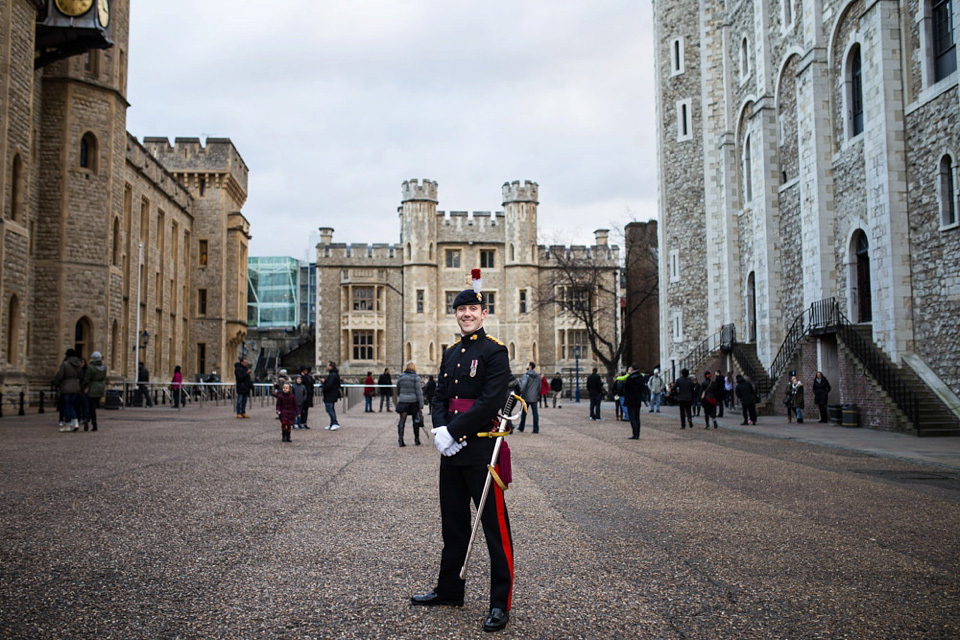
x=333 y=104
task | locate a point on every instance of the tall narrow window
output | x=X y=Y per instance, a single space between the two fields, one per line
x=88 y=152
x=115 y=253
x=677 y=57
x=523 y=301
x=203 y=253
x=944 y=47
x=675 y=265
x=864 y=296
x=684 y=126
x=13 y=332
x=747 y=171
x=787 y=13
x=856 y=92
x=744 y=60
x=948 y=195
x=448 y=301
x=16 y=187
x=491 y=299
x=82 y=337
x=420 y=297
x=201 y=357
x=201 y=302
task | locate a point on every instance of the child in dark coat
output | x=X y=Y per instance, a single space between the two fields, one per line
x=287 y=409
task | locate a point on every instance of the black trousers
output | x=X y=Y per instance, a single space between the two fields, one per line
x=304 y=412
x=750 y=413
x=634 y=413
x=595 y=405
x=458 y=485
x=686 y=415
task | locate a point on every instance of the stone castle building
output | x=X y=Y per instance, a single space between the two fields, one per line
x=808 y=154
x=79 y=197
x=385 y=305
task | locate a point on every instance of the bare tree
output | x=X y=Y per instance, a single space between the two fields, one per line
x=584 y=284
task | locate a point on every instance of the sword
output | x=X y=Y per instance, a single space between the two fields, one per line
x=492 y=475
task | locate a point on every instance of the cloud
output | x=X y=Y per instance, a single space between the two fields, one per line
x=333 y=105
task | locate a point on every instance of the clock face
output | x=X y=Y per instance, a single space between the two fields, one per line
x=103 y=12
x=74 y=7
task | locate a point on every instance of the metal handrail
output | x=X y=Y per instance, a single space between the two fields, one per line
x=880 y=368
x=698 y=353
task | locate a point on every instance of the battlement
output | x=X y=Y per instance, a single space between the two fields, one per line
x=381 y=254
x=598 y=254
x=189 y=155
x=415 y=190
x=515 y=192
x=151 y=168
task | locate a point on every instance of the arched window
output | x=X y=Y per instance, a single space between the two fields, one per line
x=88 y=152
x=408 y=352
x=948 y=193
x=861 y=297
x=409 y=252
x=13 y=333
x=855 y=91
x=431 y=353
x=513 y=351
x=82 y=337
x=787 y=13
x=16 y=187
x=513 y=252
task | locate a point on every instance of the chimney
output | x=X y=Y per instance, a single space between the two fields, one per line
x=602 y=235
x=326 y=235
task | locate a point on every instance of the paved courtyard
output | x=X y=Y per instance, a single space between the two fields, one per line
x=194 y=524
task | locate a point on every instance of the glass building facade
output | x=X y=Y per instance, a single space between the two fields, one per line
x=278 y=292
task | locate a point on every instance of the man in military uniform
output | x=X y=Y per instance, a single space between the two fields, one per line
x=471 y=389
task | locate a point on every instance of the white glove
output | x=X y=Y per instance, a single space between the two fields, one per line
x=446 y=445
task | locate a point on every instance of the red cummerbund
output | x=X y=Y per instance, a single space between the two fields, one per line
x=461 y=404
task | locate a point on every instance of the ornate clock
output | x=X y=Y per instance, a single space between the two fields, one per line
x=74 y=7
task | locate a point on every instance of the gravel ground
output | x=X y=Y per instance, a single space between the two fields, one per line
x=198 y=525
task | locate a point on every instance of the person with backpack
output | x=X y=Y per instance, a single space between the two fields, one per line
x=530 y=392
x=330 y=388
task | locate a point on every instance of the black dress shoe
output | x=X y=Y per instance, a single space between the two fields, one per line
x=431 y=599
x=497 y=620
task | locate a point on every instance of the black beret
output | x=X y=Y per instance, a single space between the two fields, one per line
x=469 y=296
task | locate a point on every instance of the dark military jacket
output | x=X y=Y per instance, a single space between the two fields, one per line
x=476 y=368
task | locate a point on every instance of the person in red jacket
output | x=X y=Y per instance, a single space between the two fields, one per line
x=544 y=390
x=287 y=409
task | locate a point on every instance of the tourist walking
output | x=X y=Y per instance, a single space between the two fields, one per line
x=530 y=392
x=821 y=395
x=368 y=392
x=143 y=390
x=385 y=382
x=595 y=391
x=331 y=393
x=711 y=397
x=748 y=399
x=544 y=390
x=287 y=410
x=308 y=384
x=68 y=378
x=655 y=385
x=409 y=402
x=729 y=384
x=241 y=374
x=95 y=386
x=300 y=393
x=796 y=397
x=685 y=394
x=633 y=398
x=556 y=387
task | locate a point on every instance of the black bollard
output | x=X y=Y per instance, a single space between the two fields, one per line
x=41 y=403
x=20 y=412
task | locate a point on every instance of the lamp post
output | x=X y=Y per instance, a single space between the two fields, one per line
x=576 y=355
x=136 y=346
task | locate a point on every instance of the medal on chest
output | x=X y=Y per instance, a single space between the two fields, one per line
x=473 y=368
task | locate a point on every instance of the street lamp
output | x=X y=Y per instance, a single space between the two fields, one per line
x=576 y=355
x=144 y=339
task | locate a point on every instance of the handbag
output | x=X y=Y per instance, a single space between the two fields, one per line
x=418 y=420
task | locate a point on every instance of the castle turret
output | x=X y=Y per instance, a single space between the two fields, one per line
x=520 y=220
x=521 y=275
x=418 y=235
